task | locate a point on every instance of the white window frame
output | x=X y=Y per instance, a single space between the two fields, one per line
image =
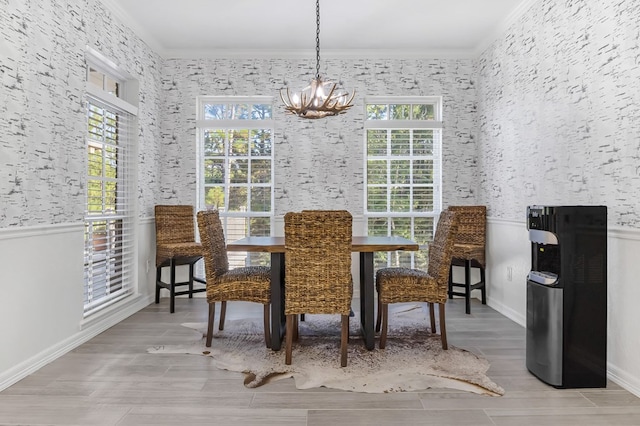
x=407 y=259
x=109 y=254
x=232 y=221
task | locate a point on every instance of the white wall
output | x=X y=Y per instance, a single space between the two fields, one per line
x=41 y=280
x=623 y=313
x=39 y=283
x=508 y=246
x=558 y=104
x=43 y=175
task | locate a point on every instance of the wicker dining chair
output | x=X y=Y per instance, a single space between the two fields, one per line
x=399 y=285
x=249 y=283
x=469 y=252
x=317 y=270
x=176 y=245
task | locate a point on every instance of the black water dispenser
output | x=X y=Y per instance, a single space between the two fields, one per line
x=567 y=295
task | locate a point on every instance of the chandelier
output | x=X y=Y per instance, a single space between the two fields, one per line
x=320 y=98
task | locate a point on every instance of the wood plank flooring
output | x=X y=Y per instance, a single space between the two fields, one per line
x=111 y=380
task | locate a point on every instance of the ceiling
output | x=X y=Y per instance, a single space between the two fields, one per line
x=254 y=28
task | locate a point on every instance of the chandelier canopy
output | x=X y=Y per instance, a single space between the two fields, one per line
x=320 y=98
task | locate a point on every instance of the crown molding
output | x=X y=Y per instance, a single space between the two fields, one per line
x=131 y=23
x=500 y=29
x=327 y=54
x=472 y=53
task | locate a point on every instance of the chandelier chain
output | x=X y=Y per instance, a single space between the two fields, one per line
x=317 y=38
x=320 y=98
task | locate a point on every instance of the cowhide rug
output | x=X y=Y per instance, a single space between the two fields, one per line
x=413 y=359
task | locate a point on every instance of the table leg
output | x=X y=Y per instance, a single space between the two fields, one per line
x=277 y=300
x=367 y=291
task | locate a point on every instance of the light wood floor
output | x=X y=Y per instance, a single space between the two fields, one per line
x=111 y=380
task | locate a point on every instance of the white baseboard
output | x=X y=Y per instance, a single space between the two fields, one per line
x=507 y=312
x=632 y=384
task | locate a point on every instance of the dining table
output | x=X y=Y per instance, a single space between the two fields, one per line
x=366 y=246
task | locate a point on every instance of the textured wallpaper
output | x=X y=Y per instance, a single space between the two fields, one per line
x=547 y=115
x=559 y=110
x=319 y=163
x=42 y=113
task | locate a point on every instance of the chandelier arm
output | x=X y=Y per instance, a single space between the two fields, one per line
x=329 y=98
x=287 y=104
x=348 y=103
x=304 y=102
x=292 y=103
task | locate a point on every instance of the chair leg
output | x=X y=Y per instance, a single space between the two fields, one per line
x=266 y=324
x=223 y=315
x=450 y=282
x=212 y=314
x=385 y=321
x=191 y=281
x=443 y=327
x=467 y=286
x=172 y=287
x=483 y=289
x=344 y=338
x=432 y=317
x=158 y=277
x=296 y=336
x=379 y=316
x=289 y=338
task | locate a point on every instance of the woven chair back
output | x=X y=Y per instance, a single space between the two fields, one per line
x=472 y=224
x=441 y=248
x=214 y=248
x=174 y=224
x=472 y=233
x=318 y=262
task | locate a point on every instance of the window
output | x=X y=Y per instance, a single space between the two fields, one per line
x=403 y=173
x=235 y=142
x=109 y=238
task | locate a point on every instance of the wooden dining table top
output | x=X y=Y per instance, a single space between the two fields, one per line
x=361 y=244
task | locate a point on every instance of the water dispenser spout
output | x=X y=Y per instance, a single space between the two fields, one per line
x=542 y=237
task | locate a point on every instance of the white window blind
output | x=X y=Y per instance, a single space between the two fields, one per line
x=109 y=225
x=403 y=173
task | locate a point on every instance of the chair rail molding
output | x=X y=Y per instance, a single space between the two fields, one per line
x=38 y=230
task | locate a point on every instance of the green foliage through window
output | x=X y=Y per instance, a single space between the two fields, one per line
x=402 y=179
x=237 y=170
